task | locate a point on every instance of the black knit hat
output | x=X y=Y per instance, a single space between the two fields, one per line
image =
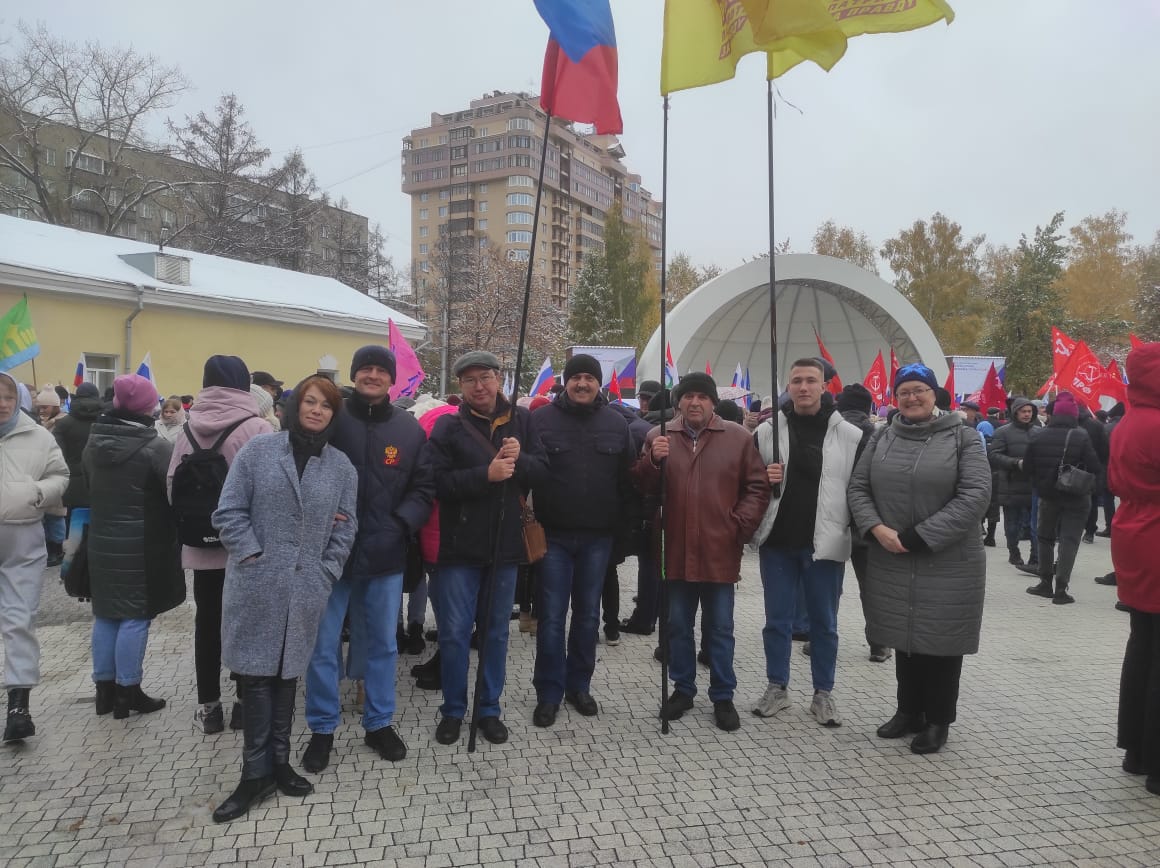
x=855 y=397
x=228 y=371
x=373 y=354
x=648 y=388
x=695 y=382
x=582 y=363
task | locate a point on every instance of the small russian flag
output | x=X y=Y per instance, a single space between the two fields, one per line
x=544 y=379
x=79 y=376
x=145 y=369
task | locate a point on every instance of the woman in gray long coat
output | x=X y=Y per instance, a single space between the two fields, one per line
x=920 y=490
x=287 y=517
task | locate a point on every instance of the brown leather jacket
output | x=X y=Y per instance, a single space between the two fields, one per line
x=716 y=491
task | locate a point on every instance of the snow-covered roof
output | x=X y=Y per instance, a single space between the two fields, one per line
x=90 y=257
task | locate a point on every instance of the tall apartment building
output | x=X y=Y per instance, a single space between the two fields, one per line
x=472 y=174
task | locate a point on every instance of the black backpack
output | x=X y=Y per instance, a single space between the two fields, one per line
x=197 y=487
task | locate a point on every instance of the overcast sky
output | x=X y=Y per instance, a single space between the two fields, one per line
x=1019 y=109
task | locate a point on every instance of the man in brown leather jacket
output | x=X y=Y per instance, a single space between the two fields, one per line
x=716 y=491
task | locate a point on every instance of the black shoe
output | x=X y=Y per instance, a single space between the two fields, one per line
x=1089 y=538
x=492 y=729
x=432 y=635
x=902 y=724
x=1062 y=597
x=1109 y=579
x=414 y=643
x=237 y=719
x=55 y=554
x=677 y=705
x=725 y=715
x=19 y=725
x=133 y=698
x=806 y=649
x=1031 y=568
x=1152 y=784
x=248 y=794
x=1106 y=534
x=1122 y=607
x=657 y=654
x=703 y=657
x=474 y=643
x=431 y=669
x=583 y=703
x=106 y=693
x=447 y=732
x=1133 y=763
x=880 y=653
x=612 y=635
x=989 y=542
x=931 y=739
x=212 y=719
x=400 y=638
x=1043 y=589
x=1015 y=559
x=545 y=714
x=801 y=637
x=387 y=742
x=290 y=783
x=316 y=757
x=636 y=628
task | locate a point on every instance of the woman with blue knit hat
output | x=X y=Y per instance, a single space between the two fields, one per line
x=918 y=494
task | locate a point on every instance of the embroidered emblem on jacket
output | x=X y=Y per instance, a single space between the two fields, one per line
x=391 y=455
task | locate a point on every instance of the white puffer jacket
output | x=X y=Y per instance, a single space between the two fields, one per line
x=839 y=451
x=33 y=473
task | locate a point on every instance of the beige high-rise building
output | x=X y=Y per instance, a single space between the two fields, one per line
x=472 y=174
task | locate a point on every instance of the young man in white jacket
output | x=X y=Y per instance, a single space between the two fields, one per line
x=804 y=538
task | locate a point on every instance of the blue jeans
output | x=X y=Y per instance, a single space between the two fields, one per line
x=573 y=569
x=783 y=572
x=801 y=613
x=716 y=599
x=374 y=613
x=119 y=649
x=54 y=529
x=461 y=588
x=1015 y=518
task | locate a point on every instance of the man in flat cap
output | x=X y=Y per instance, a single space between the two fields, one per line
x=475 y=452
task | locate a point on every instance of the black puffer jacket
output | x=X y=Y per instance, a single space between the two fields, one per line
x=134 y=556
x=395 y=482
x=588 y=453
x=468 y=503
x=1100 y=443
x=1007 y=448
x=1045 y=451
x=72 y=433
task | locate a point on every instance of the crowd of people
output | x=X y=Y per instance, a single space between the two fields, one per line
x=306 y=515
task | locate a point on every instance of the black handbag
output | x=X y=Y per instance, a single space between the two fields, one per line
x=1073 y=480
x=76 y=578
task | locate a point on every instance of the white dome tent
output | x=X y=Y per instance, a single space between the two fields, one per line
x=726 y=321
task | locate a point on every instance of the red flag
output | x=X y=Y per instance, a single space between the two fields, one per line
x=835 y=385
x=875 y=381
x=1082 y=376
x=580 y=65
x=993 y=393
x=1112 y=384
x=708 y=369
x=893 y=374
x=949 y=385
x=1061 y=349
x=614 y=385
x=1136 y=342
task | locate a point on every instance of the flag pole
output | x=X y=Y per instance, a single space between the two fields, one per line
x=489 y=594
x=663 y=596
x=773 y=420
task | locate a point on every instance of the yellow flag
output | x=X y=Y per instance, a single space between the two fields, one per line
x=856 y=17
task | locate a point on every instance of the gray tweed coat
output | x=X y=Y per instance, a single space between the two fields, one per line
x=933 y=479
x=271 y=606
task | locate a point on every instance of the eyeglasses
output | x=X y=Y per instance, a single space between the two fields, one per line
x=907 y=394
x=472 y=382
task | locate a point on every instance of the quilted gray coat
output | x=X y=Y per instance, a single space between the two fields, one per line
x=271 y=606
x=931 y=479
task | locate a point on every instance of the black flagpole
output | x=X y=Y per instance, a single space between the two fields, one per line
x=663 y=597
x=773 y=420
x=489 y=594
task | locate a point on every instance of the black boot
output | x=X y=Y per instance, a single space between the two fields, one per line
x=248 y=794
x=55 y=554
x=106 y=696
x=931 y=739
x=429 y=675
x=19 y=725
x=288 y=781
x=133 y=698
x=902 y=724
x=989 y=539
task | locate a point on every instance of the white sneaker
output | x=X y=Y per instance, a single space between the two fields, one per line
x=774 y=699
x=824 y=709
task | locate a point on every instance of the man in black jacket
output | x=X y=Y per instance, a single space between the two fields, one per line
x=1006 y=452
x=395 y=492
x=581 y=500
x=474 y=453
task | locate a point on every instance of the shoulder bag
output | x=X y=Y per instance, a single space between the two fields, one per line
x=1072 y=480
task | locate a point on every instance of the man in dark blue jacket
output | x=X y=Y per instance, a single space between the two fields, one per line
x=581 y=500
x=395 y=491
x=474 y=453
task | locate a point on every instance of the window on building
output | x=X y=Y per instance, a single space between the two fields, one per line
x=526 y=199
x=520 y=124
x=482 y=224
x=521 y=181
x=168 y=218
x=146 y=236
x=49 y=157
x=482 y=206
x=444 y=194
x=100 y=370
x=482 y=189
x=517 y=255
x=86 y=221
x=85 y=162
x=422 y=231
x=423 y=248
x=459 y=171
x=424 y=265
x=519 y=218
x=483 y=242
x=519 y=237
x=482 y=131
x=423 y=197
x=443 y=140
x=442 y=210
x=459 y=152
x=424 y=213
x=325 y=231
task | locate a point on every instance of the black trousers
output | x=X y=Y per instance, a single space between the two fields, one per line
x=266 y=730
x=207 y=633
x=929 y=684
x=1139 y=721
x=610 y=597
x=860 y=558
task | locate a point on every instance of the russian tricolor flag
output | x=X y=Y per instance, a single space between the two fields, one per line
x=544 y=379
x=580 y=65
x=79 y=376
x=145 y=369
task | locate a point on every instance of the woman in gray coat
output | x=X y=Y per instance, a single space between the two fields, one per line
x=287 y=517
x=919 y=491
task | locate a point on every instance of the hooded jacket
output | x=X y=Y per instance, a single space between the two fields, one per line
x=1134 y=477
x=214 y=409
x=33 y=473
x=72 y=434
x=1007 y=448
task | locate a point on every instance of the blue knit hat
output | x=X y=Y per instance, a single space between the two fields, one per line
x=918 y=372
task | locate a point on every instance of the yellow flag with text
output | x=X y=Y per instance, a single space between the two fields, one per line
x=704 y=39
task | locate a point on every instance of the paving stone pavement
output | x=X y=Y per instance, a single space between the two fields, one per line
x=1030 y=776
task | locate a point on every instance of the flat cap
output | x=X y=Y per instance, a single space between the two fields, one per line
x=475 y=359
